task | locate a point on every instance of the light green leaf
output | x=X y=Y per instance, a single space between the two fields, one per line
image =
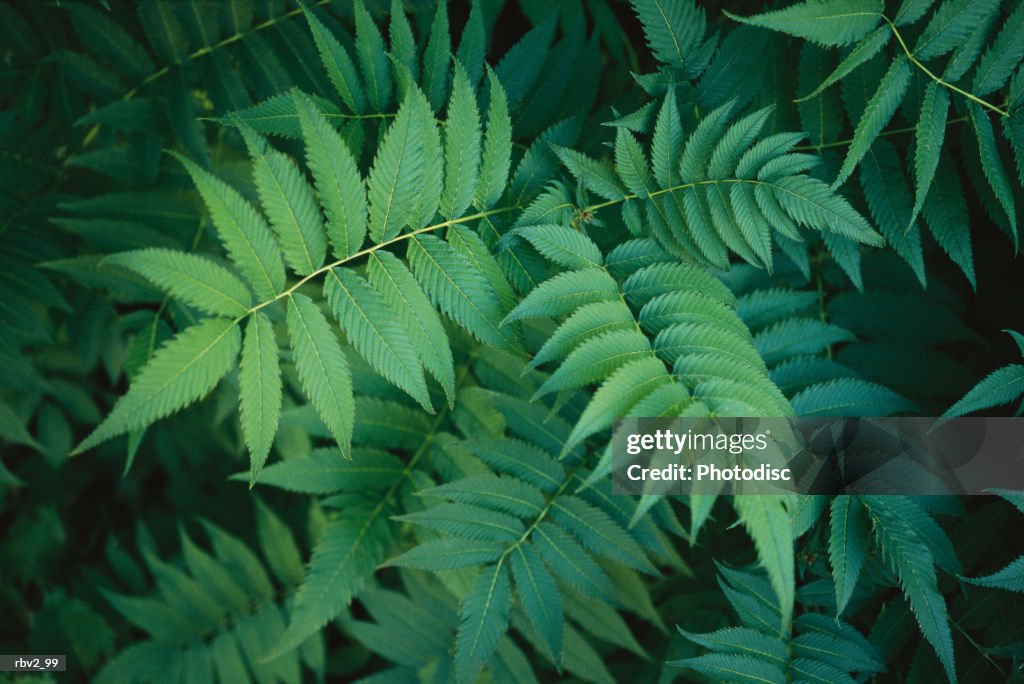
x=181 y=372
x=246 y=236
x=322 y=367
x=259 y=390
x=768 y=524
x=376 y=332
x=340 y=69
x=462 y=147
x=339 y=185
x=373 y=58
x=397 y=177
x=193 y=279
x=288 y=202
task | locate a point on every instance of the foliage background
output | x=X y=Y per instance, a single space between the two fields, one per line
x=149 y=558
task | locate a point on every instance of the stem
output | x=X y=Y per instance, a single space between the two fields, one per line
x=205 y=50
x=916 y=62
x=374 y=248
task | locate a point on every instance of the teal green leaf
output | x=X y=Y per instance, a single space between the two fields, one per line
x=403 y=42
x=595 y=176
x=346 y=555
x=813 y=204
x=734 y=668
x=448 y=554
x=954 y=21
x=195 y=280
x=322 y=367
x=1010 y=578
x=667 y=143
x=501 y=494
x=596 y=531
x=461 y=147
x=999 y=387
x=566 y=292
x=993 y=167
x=847 y=546
x=945 y=214
x=181 y=372
x=768 y=524
x=826 y=22
x=674 y=29
x=631 y=165
x=562 y=245
x=324 y=471
x=742 y=641
x=908 y=555
x=850 y=397
x=437 y=58
x=1002 y=57
x=483 y=618
x=259 y=380
x=876 y=115
x=539 y=596
x=497 y=147
x=888 y=195
x=861 y=53
x=931 y=131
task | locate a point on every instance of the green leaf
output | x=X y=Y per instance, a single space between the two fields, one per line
x=992 y=165
x=876 y=115
x=596 y=531
x=181 y=372
x=1010 y=578
x=245 y=234
x=954 y=21
x=397 y=180
x=562 y=245
x=910 y=558
x=566 y=292
x=373 y=59
x=437 y=58
x=742 y=641
x=826 y=22
x=813 y=204
x=414 y=311
x=847 y=546
x=259 y=381
x=999 y=387
x=850 y=397
x=462 y=147
x=483 y=618
x=595 y=176
x=346 y=555
x=540 y=597
x=667 y=143
x=931 y=131
x=448 y=554
x=288 y=202
x=628 y=385
x=733 y=668
x=945 y=213
x=674 y=29
x=324 y=471
x=459 y=290
x=1002 y=57
x=339 y=185
x=193 y=279
x=796 y=336
x=888 y=195
x=322 y=367
x=340 y=69
x=864 y=50
x=403 y=42
x=631 y=165
x=768 y=524
x=374 y=330
x=497 y=147
x=501 y=494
